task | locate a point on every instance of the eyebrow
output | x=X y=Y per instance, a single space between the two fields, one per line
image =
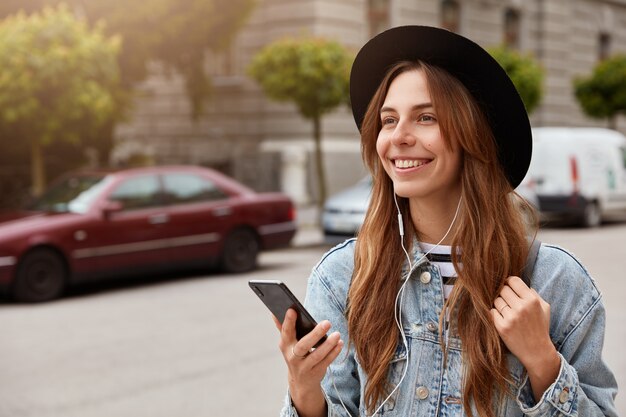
x=415 y=107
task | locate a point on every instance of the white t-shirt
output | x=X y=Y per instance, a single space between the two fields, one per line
x=441 y=256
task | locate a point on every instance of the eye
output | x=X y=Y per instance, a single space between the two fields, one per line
x=387 y=120
x=426 y=118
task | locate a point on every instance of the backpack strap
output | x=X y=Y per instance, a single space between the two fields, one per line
x=527 y=273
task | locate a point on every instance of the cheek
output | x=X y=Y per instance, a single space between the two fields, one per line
x=381 y=146
x=435 y=142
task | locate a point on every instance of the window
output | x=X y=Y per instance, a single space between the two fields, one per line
x=450 y=15
x=604 y=46
x=378 y=16
x=222 y=63
x=138 y=192
x=74 y=194
x=189 y=188
x=512 y=28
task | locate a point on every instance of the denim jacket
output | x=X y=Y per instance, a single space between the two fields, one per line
x=584 y=386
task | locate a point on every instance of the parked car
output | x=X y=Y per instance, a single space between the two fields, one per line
x=579 y=173
x=94 y=225
x=344 y=212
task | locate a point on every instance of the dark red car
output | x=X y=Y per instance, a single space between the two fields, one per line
x=92 y=225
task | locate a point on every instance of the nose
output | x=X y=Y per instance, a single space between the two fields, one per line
x=402 y=134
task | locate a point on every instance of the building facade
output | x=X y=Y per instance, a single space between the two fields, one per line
x=268 y=145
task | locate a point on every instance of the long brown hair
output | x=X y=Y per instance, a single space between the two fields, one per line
x=489 y=229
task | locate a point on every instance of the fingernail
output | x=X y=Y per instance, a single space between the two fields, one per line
x=326 y=325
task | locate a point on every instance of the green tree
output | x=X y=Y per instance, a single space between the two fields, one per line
x=59 y=82
x=314 y=75
x=174 y=32
x=524 y=71
x=603 y=93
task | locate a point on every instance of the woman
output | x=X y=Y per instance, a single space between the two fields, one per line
x=428 y=299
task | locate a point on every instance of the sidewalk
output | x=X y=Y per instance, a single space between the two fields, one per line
x=309 y=232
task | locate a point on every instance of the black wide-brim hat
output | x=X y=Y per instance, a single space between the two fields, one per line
x=481 y=74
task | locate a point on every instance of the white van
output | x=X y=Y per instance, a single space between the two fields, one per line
x=578 y=173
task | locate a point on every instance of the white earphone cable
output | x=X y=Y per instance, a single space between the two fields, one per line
x=400 y=298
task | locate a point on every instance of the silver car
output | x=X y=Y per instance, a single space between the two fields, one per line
x=344 y=212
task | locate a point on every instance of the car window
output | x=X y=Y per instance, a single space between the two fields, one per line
x=138 y=192
x=75 y=194
x=84 y=200
x=188 y=188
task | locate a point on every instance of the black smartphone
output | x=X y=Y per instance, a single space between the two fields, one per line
x=278 y=298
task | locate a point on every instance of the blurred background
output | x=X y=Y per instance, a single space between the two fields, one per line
x=170 y=81
x=256 y=90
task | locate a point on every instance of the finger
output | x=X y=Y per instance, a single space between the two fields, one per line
x=519 y=286
x=311 y=339
x=288 y=329
x=530 y=300
x=535 y=294
x=500 y=304
x=497 y=319
x=297 y=355
x=510 y=296
x=331 y=356
x=325 y=348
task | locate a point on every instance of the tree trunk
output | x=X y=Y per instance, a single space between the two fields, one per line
x=613 y=122
x=104 y=143
x=37 y=168
x=319 y=162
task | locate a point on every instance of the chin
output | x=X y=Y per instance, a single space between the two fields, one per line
x=408 y=192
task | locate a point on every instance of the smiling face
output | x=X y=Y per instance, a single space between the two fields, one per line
x=412 y=150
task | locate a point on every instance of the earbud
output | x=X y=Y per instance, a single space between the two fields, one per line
x=400 y=222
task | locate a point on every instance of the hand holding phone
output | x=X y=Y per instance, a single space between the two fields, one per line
x=308 y=359
x=278 y=299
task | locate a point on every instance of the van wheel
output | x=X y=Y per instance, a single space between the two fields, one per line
x=41 y=276
x=591 y=215
x=241 y=249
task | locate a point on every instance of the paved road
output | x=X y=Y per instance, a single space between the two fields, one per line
x=202 y=346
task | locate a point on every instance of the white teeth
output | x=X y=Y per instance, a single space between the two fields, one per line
x=406 y=163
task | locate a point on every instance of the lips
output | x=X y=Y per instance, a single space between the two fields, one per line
x=410 y=163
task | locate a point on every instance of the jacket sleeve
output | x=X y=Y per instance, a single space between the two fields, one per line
x=341 y=383
x=585 y=386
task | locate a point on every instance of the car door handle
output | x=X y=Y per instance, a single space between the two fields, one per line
x=222 y=211
x=159 y=219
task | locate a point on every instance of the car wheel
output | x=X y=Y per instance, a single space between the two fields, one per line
x=41 y=276
x=591 y=216
x=241 y=249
